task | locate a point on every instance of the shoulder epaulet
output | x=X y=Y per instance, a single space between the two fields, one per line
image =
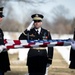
x=29 y=35
x=24 y=33
x=32 y=28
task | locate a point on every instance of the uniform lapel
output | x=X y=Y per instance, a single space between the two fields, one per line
x=41 y=31
x=34 y=31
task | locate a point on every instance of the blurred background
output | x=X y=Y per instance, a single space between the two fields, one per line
x=59 y=18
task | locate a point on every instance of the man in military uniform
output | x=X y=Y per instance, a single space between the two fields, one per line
x=72 y=54
x=4 y=60
x=39 y=57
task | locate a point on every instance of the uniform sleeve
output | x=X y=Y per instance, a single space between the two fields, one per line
x=1 y=37
x=23 y=36
x=50 y=50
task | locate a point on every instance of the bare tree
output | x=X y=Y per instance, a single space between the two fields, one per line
x=60 y=10
x=11 y=25
x=61 y=22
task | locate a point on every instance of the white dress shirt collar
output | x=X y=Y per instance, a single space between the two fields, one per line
x=39 y=30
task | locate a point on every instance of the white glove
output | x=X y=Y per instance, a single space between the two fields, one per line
x=73 y=45
x=2 y=47
x=30 y=25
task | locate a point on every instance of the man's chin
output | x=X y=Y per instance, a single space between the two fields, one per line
x=37 y=27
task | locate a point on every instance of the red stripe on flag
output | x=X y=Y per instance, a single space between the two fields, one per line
x=59 y=44
x=5 y=41
x=17 y=42
x=27 y=46
x=10 y=47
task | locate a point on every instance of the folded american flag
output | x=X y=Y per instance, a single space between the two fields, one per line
x=12 y=44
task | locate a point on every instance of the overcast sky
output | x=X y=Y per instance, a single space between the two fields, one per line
x=23 y=10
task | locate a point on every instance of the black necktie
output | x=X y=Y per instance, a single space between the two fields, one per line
x=36 y=31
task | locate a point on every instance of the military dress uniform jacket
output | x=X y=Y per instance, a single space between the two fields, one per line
x=38 y=58
x=4 y=60
x=72 y=56
x=44 y=35
x=72 y=59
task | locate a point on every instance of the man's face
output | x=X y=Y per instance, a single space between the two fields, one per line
x=37 y=24
x=1 y=19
